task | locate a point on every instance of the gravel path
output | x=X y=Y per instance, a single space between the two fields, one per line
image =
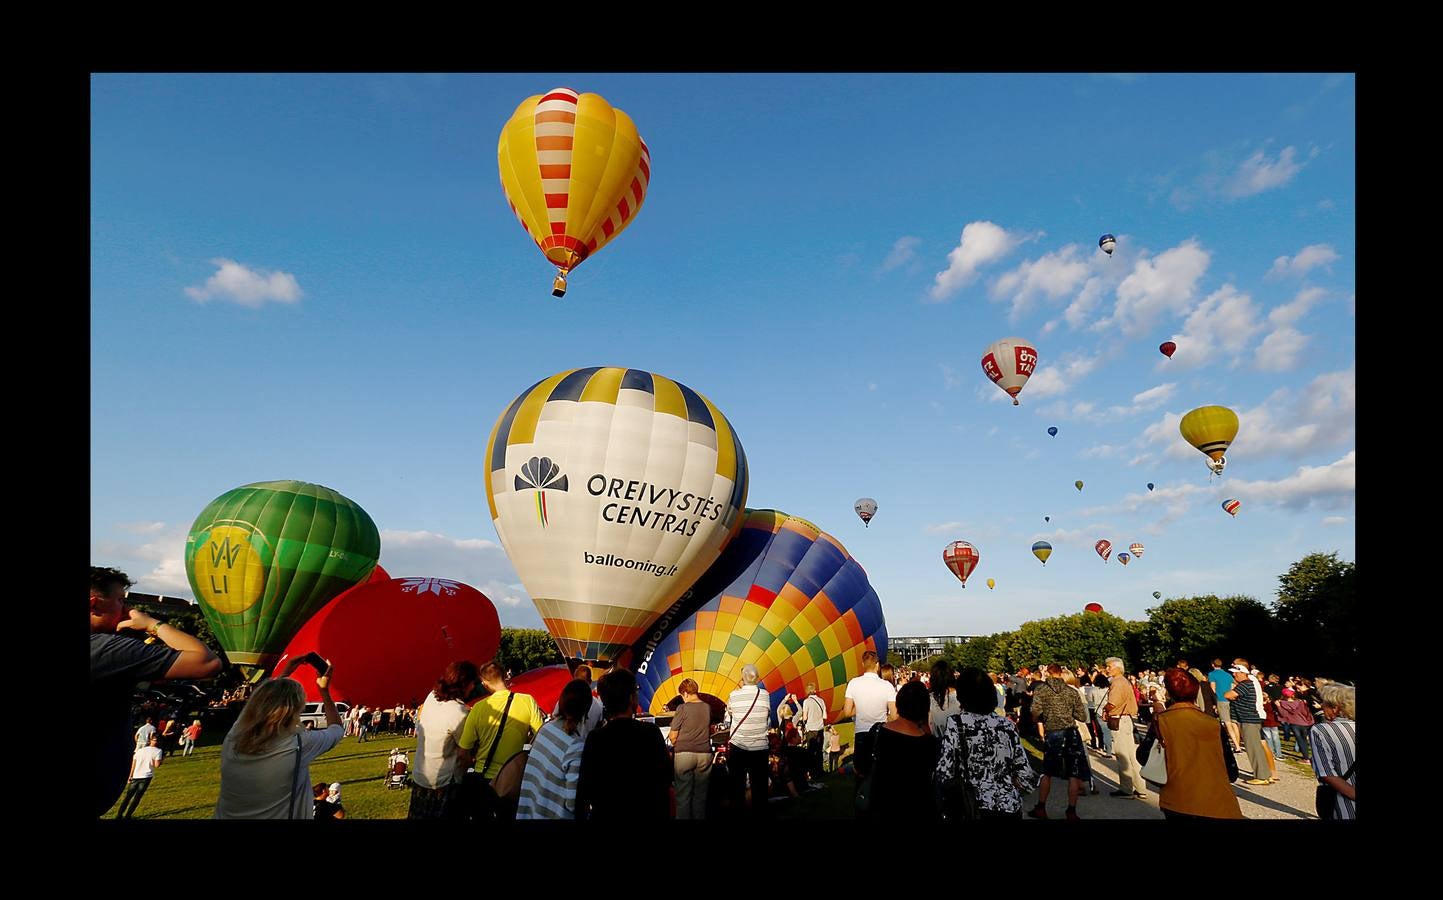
x=1290 y=798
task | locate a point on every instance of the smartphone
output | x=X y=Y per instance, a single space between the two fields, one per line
x=316 y=661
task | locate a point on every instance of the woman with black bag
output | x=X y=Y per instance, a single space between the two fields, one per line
x=982 y=771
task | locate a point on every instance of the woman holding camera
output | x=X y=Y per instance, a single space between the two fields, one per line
x=265 y=760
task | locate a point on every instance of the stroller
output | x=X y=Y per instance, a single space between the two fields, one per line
x=398 y=769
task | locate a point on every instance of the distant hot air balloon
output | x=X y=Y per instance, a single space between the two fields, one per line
x=1052 y=431
x=1136 y=550
x=1042 y=550
x=1124 y=558
x=1047 y=518
x=991 y=583
x=263 y=558
x=866 y=508
x=785 y=597
x=961 y=557
x=612 y=490
x=1093 y=608
x=1150 y=485
x=1077 y=484
x=1167 y=348
x=575 y=172
x=1210 y=429
x=1108 y=243
x=391 y=640
x=1157 y=595
x=1009 y=363
x=1104 y=549
x=1231 y=506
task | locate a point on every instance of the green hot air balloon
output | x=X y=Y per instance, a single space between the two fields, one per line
x=263 y=558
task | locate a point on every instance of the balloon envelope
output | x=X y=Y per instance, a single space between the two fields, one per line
x=991 y=583
x=1052 y=431
x=1124 y=558
x=1107 y=243
x=1104 y=549
x=1093 y=608
x=785 y=597
x=1211 y=429
x=1167 y=348
x=263 y=558
x=1232 y=506
x=1009 y=363
x=866 y=508
x=1136 y=550
x=1077 y=484
x=544 y=684
x=1042 y=550
x=612 y=491
x=961 y=557
x=1157 y=595
x=574 y=172
x=1150 y=485
x=391 y=640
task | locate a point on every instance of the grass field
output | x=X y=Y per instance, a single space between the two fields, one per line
x=186 y=787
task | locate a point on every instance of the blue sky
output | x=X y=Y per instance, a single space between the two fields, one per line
x=317 y=277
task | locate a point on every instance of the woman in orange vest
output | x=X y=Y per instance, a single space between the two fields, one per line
x=1200 y=764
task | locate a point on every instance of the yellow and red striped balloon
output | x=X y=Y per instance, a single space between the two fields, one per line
x=575 y=173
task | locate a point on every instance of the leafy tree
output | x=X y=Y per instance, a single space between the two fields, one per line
x=524 y=649
x=1317 y=614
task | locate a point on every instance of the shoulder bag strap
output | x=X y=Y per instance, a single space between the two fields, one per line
x=295 y=776
x=500 y=727
x=738 y=726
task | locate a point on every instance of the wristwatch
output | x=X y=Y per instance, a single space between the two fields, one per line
x=153 y=629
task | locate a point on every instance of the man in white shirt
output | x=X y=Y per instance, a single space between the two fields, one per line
x=870 y=701
x=748 y=708
x=144 y=732
x=813 y=720
x=142 y=770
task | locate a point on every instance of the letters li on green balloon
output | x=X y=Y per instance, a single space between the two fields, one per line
x=263 y=558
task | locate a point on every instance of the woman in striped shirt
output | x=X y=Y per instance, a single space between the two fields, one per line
x=548 y=789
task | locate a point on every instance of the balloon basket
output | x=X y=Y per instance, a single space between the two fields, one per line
x=558 y=286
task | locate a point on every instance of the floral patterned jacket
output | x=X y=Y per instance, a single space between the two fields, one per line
x=996 y=762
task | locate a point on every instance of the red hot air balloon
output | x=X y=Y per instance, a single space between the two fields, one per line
x=390 y=640
x=1093 y=608
x=544 y=684
x=1104 y=549
x=961 y=557
x=1167 y=348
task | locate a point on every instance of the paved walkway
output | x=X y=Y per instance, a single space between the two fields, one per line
x=1290 y=798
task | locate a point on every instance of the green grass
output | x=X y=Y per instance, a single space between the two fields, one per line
x=186 y=787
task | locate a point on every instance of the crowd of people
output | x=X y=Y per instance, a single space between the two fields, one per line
x=941 y=744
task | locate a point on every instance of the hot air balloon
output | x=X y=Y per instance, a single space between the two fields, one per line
x=1009 y=363
x=612 y=490
x=1136 y=550
x=1052 y=431
x=1077 y=484
x=1150 y=485
x=785 y=597
x=1210 y=429
x=866 y=508
x=961 y=557
x=1108 y=243
x=1047 y=518
x=574 y=172
x=1042 y=550
x=1093 y=608
x=991 y=583
x=1231 y=507
x=263 y=558
x=1157 y=595
x=1167 y=348
x=544 y=684
x=1124 y=558
x=391 y=640
x=1104 y=549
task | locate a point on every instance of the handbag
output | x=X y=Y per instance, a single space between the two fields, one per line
x=1155 y=769
x=1326 y=798
x=959 y=794
x=1229 y=760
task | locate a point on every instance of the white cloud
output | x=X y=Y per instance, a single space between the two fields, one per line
x=1087 y=299
x=141 y=527
x=950 y=378
x=1053 y=275
x=872 y=386
x=1052 y=380
x=1155 y=395
x=1335 y=520
x=981 y=243
x=1282 y=350
x=1101 y=451
x=157 y=564
x=1164 y=284
x=1308 y=258
x=903 y=252
x=944 y=527
x=1258 y=173
x=478 y=562
x=248 y=287
x=1223 y=323
x=1290 y=313
x=1330 y=486
x=1088 y=412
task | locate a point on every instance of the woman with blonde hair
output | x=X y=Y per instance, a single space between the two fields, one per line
x=265 y=760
